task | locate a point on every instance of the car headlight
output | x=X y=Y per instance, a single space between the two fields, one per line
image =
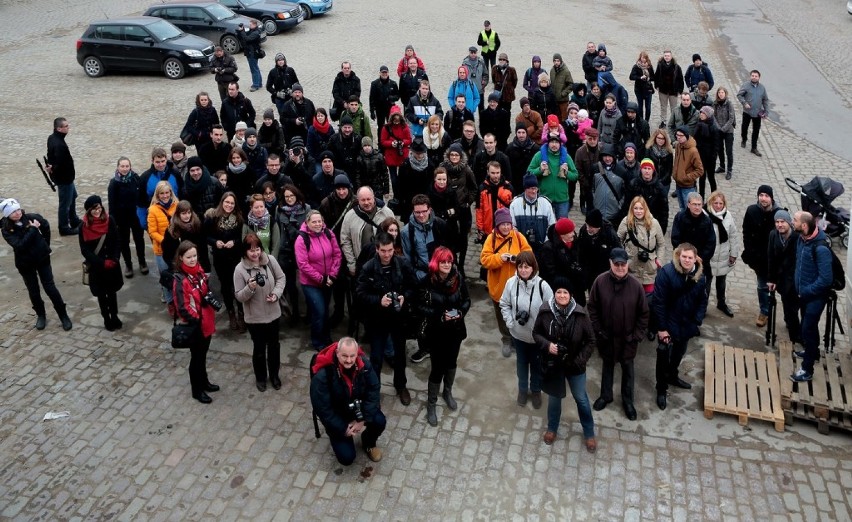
x=282 y=16
x=192 y=53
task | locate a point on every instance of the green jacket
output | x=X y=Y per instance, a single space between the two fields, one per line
x=361 y=124
x=552 y=186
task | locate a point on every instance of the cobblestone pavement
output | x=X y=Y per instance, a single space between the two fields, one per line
x=135 y=446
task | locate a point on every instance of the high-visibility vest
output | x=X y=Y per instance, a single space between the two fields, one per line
x=491 y=47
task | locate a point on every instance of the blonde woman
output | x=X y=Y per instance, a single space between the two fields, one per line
x=436 y=139
x=729 y=246
x=642 y=237
x=160 y=212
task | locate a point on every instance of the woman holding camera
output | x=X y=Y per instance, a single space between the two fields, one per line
x=259 y=283
x=642 y=237
x=191 y=292
x=564 y=335
x=522 y=298
x=445 y=304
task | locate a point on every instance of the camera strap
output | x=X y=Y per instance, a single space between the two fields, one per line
x=635 y=241
x=517 y=290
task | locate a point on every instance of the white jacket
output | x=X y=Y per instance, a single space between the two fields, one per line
x=733 y=247
x=527 y=296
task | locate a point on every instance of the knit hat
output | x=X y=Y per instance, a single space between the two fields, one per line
x=383 y=68
x=455 y=147
x=696 y=56
x=241 y=125
x=269 y=114
x=409 y=46
x=783 y=214
x=632 y=107
x=594 y=218
x=418 y=146
x=194 y=161
x=251 y=131
x=503 y=56
x=530 y=181
x=296 y=87
x=683 y=129
x=647 y=163
x=557 y=56
x=366 y=141
x=707 y=111
x=592 y=132
x=584 y=113
x=524 y=101
x=342 y=180
x=561 y=282
x=325 y=154
x=766 y=189
x=630 y=145
x=564 y=226
x=178 y=146
x=280 y=56
x=296 y=142
x=552 y=120
x=502 y=216
x=345 y=120
x=618 y=255
x=91 y=202
x=520 y=125
x=493 y=97
x=9 y=206
x=576 y=107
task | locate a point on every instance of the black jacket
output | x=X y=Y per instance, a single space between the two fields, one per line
x=102 y=280
x=680 y=299
x=636 y=131
x=520 y=155
x=374 y=281
x=234 y=110
x=228 y=66
x=438 y=298
x=757 y=224
x=215 y=158
x=203 y=194
x=782 y=262
x=199 y=123
x=589 y=71
x=594 y=250
x=409 y=83
x=497 y=122
x=454 y=121
x=272 y=138
x=668 y=77
x=291 y=113
x=480 y=162
x=346 y=151
x=383 y=94
x=343 y=88
x=699 y=231
x=121 y=198
x=331 y=395
x=656 y=196
x=575 y=338
x=30 y=244
x=281 y=79
x=556 y=260
x=59 y=157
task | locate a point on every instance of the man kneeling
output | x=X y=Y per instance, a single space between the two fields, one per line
x=345 y=398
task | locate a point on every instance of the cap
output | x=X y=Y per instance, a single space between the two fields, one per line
x=554 y=137
x=618 y=255
x=472 y=49
x=564 y=226
x=91 y=202
x=455 y=147
x=594 y=218
x=296 y=142
x=607 y=150
x=632 y=106
x=530 y=181
x=502 y=216
x=383 y=68
x=520 y=125
x=557 y=56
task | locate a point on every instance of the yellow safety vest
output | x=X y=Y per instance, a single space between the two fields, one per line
x=490 y=48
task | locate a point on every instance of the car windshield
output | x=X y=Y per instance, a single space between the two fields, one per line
x=220 y=12
x=251 y=2
x=163 y=30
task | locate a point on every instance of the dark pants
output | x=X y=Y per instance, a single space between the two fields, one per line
x=266 y=349
x=344 y=447
x=572 y=189
x=444 y=355
x=223 y=90
x=709 y=175
x=380 y=339
x=125 y=230
x=811 y=313
x=528 y=366
x=755 y=133
x=394 y=180
x=627 y=377
x=108 y=303
x=316 y=301
x=381 y=119
x=501 y=323
x=67 y=211
x=644 y=102
x=43 y=272
x=720 y=287
x=225 y=272
x=291 y=290
x=340 y=291
x=668 y=361
x=490 y=60
x=790 y=304
x=725 y=148
x=465 y=222
x=198 y=365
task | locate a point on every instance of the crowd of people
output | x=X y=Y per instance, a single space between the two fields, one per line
x=375 y=227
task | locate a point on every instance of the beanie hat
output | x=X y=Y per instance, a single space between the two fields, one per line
x=552 y=120
x=601 y=47
x=280 y=56
x=345 y=120
x=561 y=282
x=325 y=154
x=530 y=181
x=251 y=131
x=91 y=202
x=455 y=147
x=520 y=125
x=296 y=142
x=502 y=216
x=766 y=189
x=707 y=111
x=683 y=129
x=178 y=146
x=582 y=112
x=607 y=150
x=630 y=145
x=564 y=226
x=557 y=56
x=418 y=146
x=574 y=106
x=647 y=163
x=493 y=97
x=296 y=87
x=783 y=214
x=594 y=218
x=366 y=141
x=269 y=114
x=524 y=101
x=409 y=46
x=503 y=56
x=241 y=125
x=632 y=106
x=9 y=206
x=696 y=56
x=342 y=180
x=592 y=132
x=194 y=161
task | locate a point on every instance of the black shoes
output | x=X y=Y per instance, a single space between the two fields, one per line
x=729 y=175
x=630 y=411
x=720 y=170
x=276 y=382
x=41 y=322
x=756 y=153
x=661 y=401
x=211 y=387
x=723 y=307
x=261 y=386
x=69 y=231
x=743 y=144
x=203 y=398
x=680 y=383
x=66 y=322
x=419 y=356
x=600 y=404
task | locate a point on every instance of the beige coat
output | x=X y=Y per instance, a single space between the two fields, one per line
x=255 y=306
x=652 y=240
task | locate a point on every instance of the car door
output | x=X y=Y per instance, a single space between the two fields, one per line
x=175 y=15
x=139 y=54
x=200 y=23
x=108 y=46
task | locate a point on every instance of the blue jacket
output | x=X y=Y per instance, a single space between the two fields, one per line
x=680 y=299
x=693 y=75
x=813 y=267
x=466 y=87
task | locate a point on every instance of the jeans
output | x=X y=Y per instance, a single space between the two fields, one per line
x=561 y=209
x=266 y=349
x=668 y=102
x=755 y=133
x=644 y=101
x=682 y=193
x=668 y=361
x=43 y=272
x=256 y=78
x=316 y=301
x=762 y=294
x=577 y=383
x=725 y=148
x=811 y=313
x=627 y=378
x=198 y=365
x=67 y=212
x=528 y=366
x=344 y=447
x=279 y=104
x=161 y=267
x=379 y=340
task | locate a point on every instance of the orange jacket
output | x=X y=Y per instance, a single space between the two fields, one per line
x=158 y=223
x=500 y=271
x=489 y=204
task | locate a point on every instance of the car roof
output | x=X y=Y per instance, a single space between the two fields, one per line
x=138 y=20
x=179 y=3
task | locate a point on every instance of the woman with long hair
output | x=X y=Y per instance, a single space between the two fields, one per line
x=436 y=139
x=643 y=239
x=190 y=286
x=199 y=124
x=726 y=119
x=259 y=283
x=659 y=149
x=185 y=225
x=101 y=247
x=223 y=227
x=729 y=247
x=160 y=212
x=260 y=221
x=290 y=215
x=445 y=304
x=122 y=193
x=642 y=75
x=318 y=258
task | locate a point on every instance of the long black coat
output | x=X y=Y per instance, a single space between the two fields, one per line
x=782 y=262
x=577 y=337
x=103 y=281
x=619 y=313
x=699 y=231
x=439 y=297
x=556 y=260
x=656 y=196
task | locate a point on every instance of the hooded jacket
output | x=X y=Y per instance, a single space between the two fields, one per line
x=813 y=267
x=257 y=309
x=562 y=83
x=687 y=166
x=619 y=314
x=391 y=132
x=531 y=76
x=557 y=260
x=492 y=197
x=500 y=271
x=30 y=244
x=280 y=79
x=680 y=298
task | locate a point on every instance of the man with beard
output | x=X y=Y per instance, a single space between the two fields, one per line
x=280 y=81
x=298 y=113
x=384 y=93
x=477 y=74
x=590 y=73
x=200 y=189
x=346 y=84
x=346 y=146
x=505 y=79
x=563 y=84
x=588 y=155
x=782 y=270
x=236 y=107
x=455 y=118
x=520 y=153
x=758 y=222
x=215 y=153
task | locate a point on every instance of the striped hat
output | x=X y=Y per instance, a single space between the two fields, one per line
x=647 y=163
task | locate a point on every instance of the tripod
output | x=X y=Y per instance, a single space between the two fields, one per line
x=832 y=321
x=771 y=337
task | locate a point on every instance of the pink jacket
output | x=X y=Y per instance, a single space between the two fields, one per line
x=545 y=134
x=321 y=260
x=582 y=127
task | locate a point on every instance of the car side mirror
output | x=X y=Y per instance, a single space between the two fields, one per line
x=148 y=40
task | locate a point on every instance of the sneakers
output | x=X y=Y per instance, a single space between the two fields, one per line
x=761 y=321
x=374 y=453
x=801 y=376
x=128 y=272
x=419 y=356
x=507 y=348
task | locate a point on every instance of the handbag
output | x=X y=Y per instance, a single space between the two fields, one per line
x=261 y=54
x=184 y=334
x=87 y=267
x=188 y=138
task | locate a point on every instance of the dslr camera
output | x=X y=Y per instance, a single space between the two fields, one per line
x=211 y=300
x=260 y=279
x=522 y=316
x=355 y=408
x=643 y=256
x=284 y=93
x=394 y=297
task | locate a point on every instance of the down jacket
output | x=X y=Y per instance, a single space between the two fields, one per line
x=680 y=299
x=317 y=255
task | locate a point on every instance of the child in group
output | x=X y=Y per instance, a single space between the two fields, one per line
x=222 y=176
x=553 y=128
x=602 y=63
x=546 y=138
x=584 y=123
x=239 y=134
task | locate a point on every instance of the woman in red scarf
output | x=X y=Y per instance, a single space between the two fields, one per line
x=319 y=134
x=101 y=248
x=189 y=288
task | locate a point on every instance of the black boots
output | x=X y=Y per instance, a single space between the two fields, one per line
x=449 y=378
x=41 y=322
x=432 y=401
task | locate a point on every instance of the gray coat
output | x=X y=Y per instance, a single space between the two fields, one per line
x=726 y=118
x=257 y=309
x=755 y=95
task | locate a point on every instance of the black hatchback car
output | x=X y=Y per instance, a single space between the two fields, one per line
x=141 y=44
x=275 y=15
x=208 y=20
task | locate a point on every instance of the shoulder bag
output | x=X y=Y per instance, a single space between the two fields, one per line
x=86 y=266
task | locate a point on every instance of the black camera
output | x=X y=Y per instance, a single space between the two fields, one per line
x=399 y=146
x=355 y=408
x=644 y=256
x=260 y=279
x=394 y=297
x=522 y=316
x=211 y=300
x=530 y=235
x=284 y=93
x=513 y=258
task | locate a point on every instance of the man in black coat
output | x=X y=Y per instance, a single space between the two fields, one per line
x=280 y=81
x=236 y=107
x=60 y=166
x=346 y=146
x=491 y=152
x=384 y=93
x=758 y=222
x=693 y=226
x=346 y=84
x=297 y=116
x=631 y=128
x=224 y=67
x=215 y=154
x=520 y=153
x=781 y=271
x=409 y=82
x=200 y=188
x=648 y=185
x=496 y=120
x=596 y=240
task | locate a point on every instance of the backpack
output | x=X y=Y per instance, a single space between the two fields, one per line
x=307 y=238
x=317 y=433
x=838 y=275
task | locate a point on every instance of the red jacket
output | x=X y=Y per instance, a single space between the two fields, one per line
x=491 y=199
x=389 y=134
x=188 y=291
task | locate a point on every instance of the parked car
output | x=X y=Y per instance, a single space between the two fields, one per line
x=141 y=43
x=849 y=7
x=315 y=7
x=273 y=14
x=209 y=20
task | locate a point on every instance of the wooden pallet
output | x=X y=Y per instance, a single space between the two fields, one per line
x=827 y=399
x=743 y=383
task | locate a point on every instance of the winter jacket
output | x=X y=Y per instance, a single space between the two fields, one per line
x=550 y=184
x=731 y=247
x=530 y=83
x=480 y=162
x=420 y=109
x=214 y=158
x=594 y=104
x=534 y=124
x=318 y=141
x=669 y=77
x=757 y=224
x=471 y=147
x=492 y=197
x=122 y=195
x=753 y=94
x=500 y=271
x=699 y=231
x=188 y=293
x=699 y=100
x=460 y=178
x=477 y=73
x=687 y=166
x=103 y=280
x=271 y=138
x=236 y=109
x=680 y=299
x=281 y=79
x=256 y=159
x=585 y=160
x=496 y=121
x=353 y=233
x=333 y=209
x=383 y=95
x=214 y=233
x=409 y=83
x=318 y=256
x=171 y=243
x=782 y=262
x=228 y=65
x=589 y=72
x=643 y=240
x=376 y=281
x=505 y=80
x=636 y=131
x=813 y=267
x=619 y=314
x=419 y=241
x=694 y=75
x=556 y=259
x=256 y=308
x=412 y=181
x=656 y=196
x=60 y=159
x=468 y=89
x=641 y=86
x=626 y=172
x=520 y=155
x=676 y=119
x=30 y=244
x=158 y=223
x=360 y=122
x=203 y=194
x=148 y=183
x=609 y=201
x=346 y=150
x=726 y=117
x=200 y=123
x=523 y=296
x=606 y=126
x=562 y=82
x=544 y=102
x=439 y=297
x=272 y=241
x=532 y=219
x=454 y=121
x=371 y=171
x=576 y=341
x=342 y=88
x=289 y=223
x=706 y=139
x=390 y=133
x=290 y=115
x=595 y=250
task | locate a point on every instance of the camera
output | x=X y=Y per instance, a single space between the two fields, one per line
x=297 y=151
x=530 y=235
x=394 y=297
x=260 y=279
x=355 y=408
x=399 y=146
x=522 y=316
x=643 y=256
x=513 y=258
x=284 y=93
x=211 y=300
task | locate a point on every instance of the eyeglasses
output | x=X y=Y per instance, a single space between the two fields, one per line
x=420 y=212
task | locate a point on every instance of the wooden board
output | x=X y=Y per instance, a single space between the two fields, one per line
x=827 y=399
x=742 y=382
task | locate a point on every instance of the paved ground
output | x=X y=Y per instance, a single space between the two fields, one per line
x=137 y=447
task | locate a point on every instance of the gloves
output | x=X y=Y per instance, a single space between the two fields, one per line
x=373 y=115
x=109 y=264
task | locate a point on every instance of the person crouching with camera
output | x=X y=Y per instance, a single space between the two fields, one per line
x=195 y=304
x=258 y=285
x=445 y=304
x=522 y=298
x=345 y=398
x=566 y=340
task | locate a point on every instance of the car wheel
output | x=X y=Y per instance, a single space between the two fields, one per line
x=93 y=67
x=174 y=69
x=270 y=26
x=306 y=11
x=230 y=44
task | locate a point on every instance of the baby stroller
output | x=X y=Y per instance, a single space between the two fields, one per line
x=817 y=197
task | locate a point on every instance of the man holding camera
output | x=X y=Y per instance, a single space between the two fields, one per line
x=532 y=214
x=619 y=313
x=297 y=115
x=385 y=287
x=223 y=66
x=280 y=81
x=384 y=93
x=251 y=47
x=345 y=398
